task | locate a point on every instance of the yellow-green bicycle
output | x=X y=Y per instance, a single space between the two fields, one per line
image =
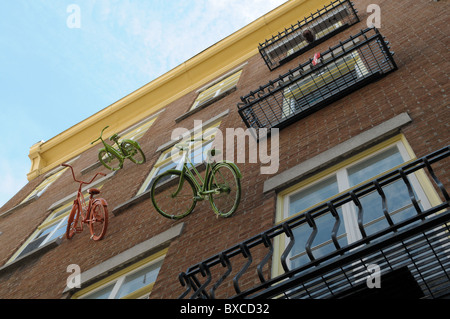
x=113 y=158
x=175 y=192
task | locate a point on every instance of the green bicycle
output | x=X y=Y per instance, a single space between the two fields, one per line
x=113 y=158
x=175 y=192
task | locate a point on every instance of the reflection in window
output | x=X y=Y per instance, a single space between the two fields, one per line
x=398 y=202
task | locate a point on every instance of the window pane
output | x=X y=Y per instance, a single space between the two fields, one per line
x=397 y=196
x=101 y=294
x=198 y=155
x=162 y=169
x=217 y=89
x=32 y=246
x=139 y=279
x=313 y=195
x=322 y=243
x=61 y=230
x=373 y=166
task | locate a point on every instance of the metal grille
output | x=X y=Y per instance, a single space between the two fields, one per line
x=338 y=71
x=305 y=34
x=412 y=254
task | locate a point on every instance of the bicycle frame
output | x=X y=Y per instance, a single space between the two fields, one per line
x=121 y=153
x=111 y=149
x=201 y=188
x=85 y=210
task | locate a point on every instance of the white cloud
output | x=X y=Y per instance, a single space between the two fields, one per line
x=153 y=37
x=122 y=45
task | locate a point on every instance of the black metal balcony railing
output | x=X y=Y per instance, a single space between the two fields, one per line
x=340 y=70
x=319 y=26
x=413 y=254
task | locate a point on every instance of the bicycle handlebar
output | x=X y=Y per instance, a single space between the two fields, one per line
x=100 y=135
x=81 y=182
x=182 y=145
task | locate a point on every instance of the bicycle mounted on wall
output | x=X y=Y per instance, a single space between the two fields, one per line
x=113 y=158
x=94 y=213
x=175 y=199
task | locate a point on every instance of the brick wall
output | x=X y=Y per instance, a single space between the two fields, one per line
x=416 y=31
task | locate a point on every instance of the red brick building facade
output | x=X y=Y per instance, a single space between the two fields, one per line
x=407 y=106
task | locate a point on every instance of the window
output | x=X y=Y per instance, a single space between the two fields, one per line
x=316 y=83
x=343 y=72
x=341 y=178
x=42 y=187
x=133 y=282
x=311 y=31
x=137 y=131
x=52 y=228
x=217 y=90
x=172 y=158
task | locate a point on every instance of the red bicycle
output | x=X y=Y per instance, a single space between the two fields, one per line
x=94 y=213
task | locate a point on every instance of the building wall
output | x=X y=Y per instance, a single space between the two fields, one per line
x=417 y=33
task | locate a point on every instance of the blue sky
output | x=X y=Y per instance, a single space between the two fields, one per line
x=53 y=76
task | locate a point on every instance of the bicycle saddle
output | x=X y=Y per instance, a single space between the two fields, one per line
x=93 y=191
x=213 y=152
x=114 y=137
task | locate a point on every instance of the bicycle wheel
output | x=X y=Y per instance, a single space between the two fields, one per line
x=98 y=221
x=134 y=152
x=167 y=201
x=110 y=160
x=227 y=185
x=73 y=221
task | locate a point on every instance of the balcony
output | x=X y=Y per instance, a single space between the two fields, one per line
x=413 y=254
x=340 y=70
x=321 y=25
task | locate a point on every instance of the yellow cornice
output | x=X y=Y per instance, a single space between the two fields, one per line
x=152 y=97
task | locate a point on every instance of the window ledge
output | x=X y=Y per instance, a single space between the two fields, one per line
x=124 y=259
x=133 y=201
x=200 y=167
x=338 y=152
x=206 y=104
x=21 y=205
x=171 y=143
x=91 y=167
x=30 y=256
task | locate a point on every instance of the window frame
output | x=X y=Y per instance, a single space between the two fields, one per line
x=58 y=217
x=342 y=67
x=222 y=88
x=117 y=279
x=138 y=130
x=290 y=43
x=169 y=157
x=39 y=190
x=420 y=183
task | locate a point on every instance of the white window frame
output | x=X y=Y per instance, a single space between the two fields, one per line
x=58 y=217
x=45 y=184
x=321 y=79
x=168 y=157
x=117 y=279
x=221 y=87
x=136 y=131
x=420 y=183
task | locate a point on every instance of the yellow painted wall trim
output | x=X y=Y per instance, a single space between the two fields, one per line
x=195 y=72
